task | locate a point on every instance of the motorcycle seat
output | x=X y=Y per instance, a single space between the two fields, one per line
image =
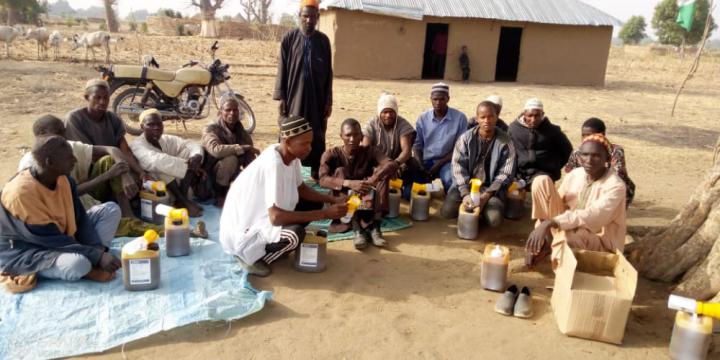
x=135 y=72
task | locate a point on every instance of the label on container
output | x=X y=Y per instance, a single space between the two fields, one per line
x=140 y=271
x=146 y=209
x=308 y=254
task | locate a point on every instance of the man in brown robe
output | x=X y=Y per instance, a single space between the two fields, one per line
x=365 y=171
x=229 y=147
x=304 y=78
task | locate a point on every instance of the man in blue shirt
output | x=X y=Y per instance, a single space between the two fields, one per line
x=437 y=130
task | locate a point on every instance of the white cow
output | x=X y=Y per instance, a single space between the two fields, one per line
x=55 y=40
x=41 y=35
x=90 y=41
x=8 y=34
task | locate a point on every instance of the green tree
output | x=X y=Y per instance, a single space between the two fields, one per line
x=633 y=31
x=669 y=32
x=22 y=11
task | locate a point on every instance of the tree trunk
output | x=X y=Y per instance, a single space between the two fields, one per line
x=208 y=28
x=688 y=249
x=12 y=15
x=110 y=19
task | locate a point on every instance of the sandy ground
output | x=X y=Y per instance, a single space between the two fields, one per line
x=421 y=298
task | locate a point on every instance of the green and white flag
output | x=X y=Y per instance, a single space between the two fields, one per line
x=686 y=12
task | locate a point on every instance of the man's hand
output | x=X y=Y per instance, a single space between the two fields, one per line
x=336 y=211
x=340 y=199
x=249 y=149
x=468 y=202
x=538 y=237
x=118 y=169
x=359 y=186
x=109 y=262
x=435 y=169
x=328 y=111
x=130 y=187
x=282 y=108
x=194 y=162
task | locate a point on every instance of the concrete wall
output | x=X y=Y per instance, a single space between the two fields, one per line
x=375 y=46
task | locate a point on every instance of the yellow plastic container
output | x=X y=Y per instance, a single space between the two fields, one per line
x=420 y=202
x=691 y=336
x=177 y=230
x=468 y=223
x=141 y=263
x=152 y=194
x=353 y=203
x=494 y=268
x=311 y=255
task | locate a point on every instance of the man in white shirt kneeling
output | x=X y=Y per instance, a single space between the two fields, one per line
x=259 y=222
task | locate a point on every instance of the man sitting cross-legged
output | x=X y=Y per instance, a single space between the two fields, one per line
x=587 y=211
x=45 y=230
x=169 y=158
x=364 y=170
x=485 y=153
x=260 y=221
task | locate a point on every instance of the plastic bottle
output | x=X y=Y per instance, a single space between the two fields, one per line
x=468 y=224
x=515 y=204
x=353 y=203
x=475 y=185
x=693 y=306
x=152 y=194
x=420 y=202
x=311 y=256
x=494 y=267
x=177 y=230
x=691 y=336
x=394 y=196
x=141 y=263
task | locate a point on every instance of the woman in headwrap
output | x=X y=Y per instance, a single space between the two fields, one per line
x=587 y=211
x=229 y=147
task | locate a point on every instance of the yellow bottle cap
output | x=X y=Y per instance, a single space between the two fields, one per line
x=475 y=185
x=159 y=186
x=177 y=214
x=396 y=183
x=150 y=236
x=418 y=187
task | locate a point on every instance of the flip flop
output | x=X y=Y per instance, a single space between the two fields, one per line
x=506 y=303
x=523 y=305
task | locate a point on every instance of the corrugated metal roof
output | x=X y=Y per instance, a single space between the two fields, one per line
x=562 y=12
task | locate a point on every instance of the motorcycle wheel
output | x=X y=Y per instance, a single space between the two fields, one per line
x=248 y=120
x=131 y=97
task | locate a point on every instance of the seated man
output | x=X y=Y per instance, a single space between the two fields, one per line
x=542 y=148
x=364 y=170
x=617 y=157
x=94 y=125
x=49 y=125
x=497 y=101
x=484 y=153
x=229 y=147
x=259 y=222
x=169 y=158
x=394 y=136
x=437 y=130
x=45 y=230
x=587 y=211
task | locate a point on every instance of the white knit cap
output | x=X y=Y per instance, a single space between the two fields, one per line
x=534 y=104
x=495 y=100
x=387 y=101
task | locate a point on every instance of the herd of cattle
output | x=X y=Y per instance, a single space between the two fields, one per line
x=52 y=39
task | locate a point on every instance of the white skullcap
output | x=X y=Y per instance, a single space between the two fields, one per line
x=495 y=100
x=387 y=101
x=534 y=104
x=440 y=87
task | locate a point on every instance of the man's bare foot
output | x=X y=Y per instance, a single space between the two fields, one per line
x=97 y=274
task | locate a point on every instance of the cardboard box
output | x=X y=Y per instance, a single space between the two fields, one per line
x=593 y=294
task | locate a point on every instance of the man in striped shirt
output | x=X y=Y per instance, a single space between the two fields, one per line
x=486 y=153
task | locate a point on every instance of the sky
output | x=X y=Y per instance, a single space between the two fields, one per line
x=621 y=9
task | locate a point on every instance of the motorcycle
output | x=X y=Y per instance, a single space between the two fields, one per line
x=178 y=95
